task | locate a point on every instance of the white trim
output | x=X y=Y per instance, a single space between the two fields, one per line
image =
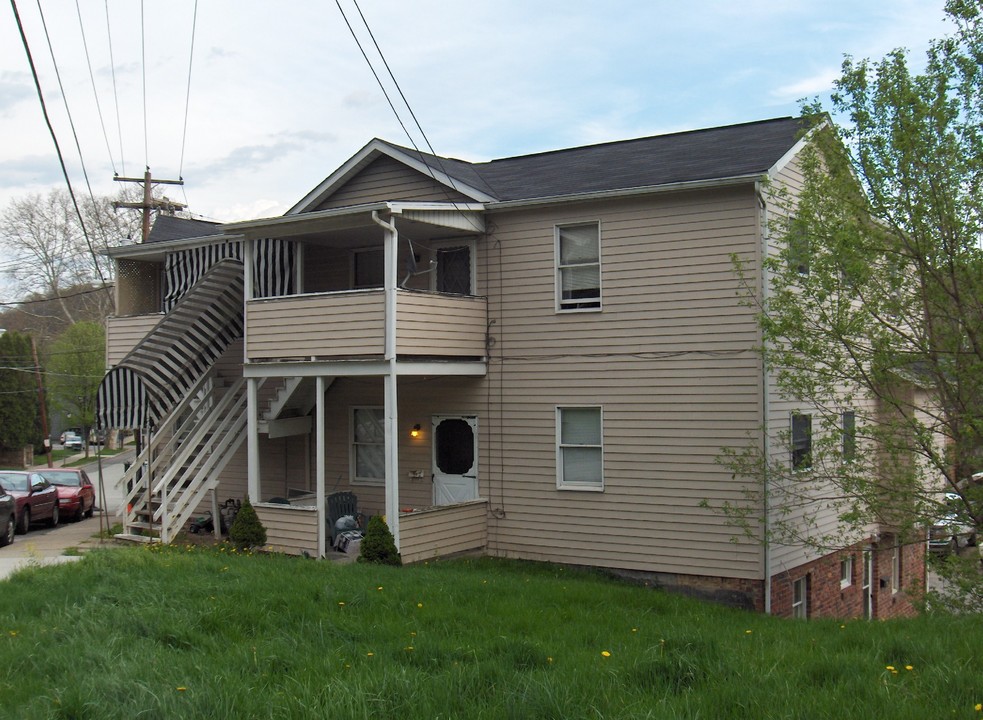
x=319 y=472
x=362 y=159
x=800 y=608
x=449 y=243
x=366 y=368
x=562 y=484
x=847 y=563
x=558 y=291
x=352 y=460
x=785 y=159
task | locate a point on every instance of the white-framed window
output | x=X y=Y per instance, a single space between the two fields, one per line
x=846 y=571
x=801 y=445
x=579 y=448
x=368 y=268
x=578 y=266
x=848 y=425
x=800 y=597
x=368 y=446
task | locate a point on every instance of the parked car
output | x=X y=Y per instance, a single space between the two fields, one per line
x=76 y=494
x=34 y=497
x=71 y=441
x=950 y=532
x=8 y=517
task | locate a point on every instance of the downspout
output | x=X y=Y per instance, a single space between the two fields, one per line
x=392 y=436
x=765 y=402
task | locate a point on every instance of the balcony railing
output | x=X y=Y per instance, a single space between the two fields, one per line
x=351 y=324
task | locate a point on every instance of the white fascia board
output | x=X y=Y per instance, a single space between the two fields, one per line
x=794 y=150
x=628 y=192
x=261 y=226
x=366 y=155
x=150 y=251
x=364 y=368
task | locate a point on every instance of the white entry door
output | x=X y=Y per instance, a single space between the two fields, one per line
x=455 y=459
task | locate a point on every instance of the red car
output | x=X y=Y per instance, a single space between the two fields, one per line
x=8 y=519
x=76 y=495
x=35 y=498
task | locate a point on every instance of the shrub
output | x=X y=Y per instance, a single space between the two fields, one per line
x=378 y=545
x=247 y=531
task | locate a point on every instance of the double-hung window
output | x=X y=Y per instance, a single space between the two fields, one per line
x=800 y=597
x=368 y=453
x=846 y=571
x=578 y=266
x=579 y=448
x=801 y=441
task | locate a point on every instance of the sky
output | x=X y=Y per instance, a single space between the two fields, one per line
x=265 y=99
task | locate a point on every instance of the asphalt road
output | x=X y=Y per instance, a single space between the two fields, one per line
x=47 y=546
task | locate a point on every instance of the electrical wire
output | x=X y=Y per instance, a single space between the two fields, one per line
x=143 y=63
x=187 y=97
x=112 y=66
x=92 y=79
x=54 y=137
x=105 y=287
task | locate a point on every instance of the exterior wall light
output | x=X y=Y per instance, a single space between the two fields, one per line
x=415 y=432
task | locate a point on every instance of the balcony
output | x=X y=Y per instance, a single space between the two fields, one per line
x=351 y=325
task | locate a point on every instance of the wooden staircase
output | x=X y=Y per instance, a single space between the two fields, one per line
x=182 y=463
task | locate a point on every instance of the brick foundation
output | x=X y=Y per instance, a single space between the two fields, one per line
x=733 y=592
x=827 y=597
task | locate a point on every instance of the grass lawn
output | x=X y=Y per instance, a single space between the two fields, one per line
x=201 y=633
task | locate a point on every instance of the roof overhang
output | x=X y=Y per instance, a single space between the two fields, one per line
x=157 y=251
x=363 y=158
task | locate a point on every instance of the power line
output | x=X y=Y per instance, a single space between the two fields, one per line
x=187 y=97
x=104 y=288
x=143 y=63
x=112 y=65
x=92 y=79
x=54 y=137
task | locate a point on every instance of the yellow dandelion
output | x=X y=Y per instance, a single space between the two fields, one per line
x=979 y=707
x=370 y=654
x=412 y=634
x=549 y=660
x=605 y=653
x=409 y=648
x=748 y=632
x=341 y=603
x=181 y=688
x=419 y=605
x=889 y=667
x=13 y=633
x=634 y=629
x=909 y=668
x=379 y=588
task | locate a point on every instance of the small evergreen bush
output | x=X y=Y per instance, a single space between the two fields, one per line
x=378 y=545
x=247 y=531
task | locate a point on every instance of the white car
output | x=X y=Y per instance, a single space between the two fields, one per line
x=950 y=532
x=72 y=441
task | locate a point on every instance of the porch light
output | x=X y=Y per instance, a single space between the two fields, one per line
x=415 y=432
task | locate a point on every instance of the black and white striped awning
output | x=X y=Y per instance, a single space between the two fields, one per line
x=183 y=346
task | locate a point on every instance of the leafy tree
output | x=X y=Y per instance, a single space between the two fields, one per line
x=875 y=300
x=76 y=366
x=48 y=253
x=19 y=408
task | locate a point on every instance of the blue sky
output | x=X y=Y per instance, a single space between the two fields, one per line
x=280 y=94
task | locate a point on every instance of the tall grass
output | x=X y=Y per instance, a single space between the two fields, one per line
x=189 y=633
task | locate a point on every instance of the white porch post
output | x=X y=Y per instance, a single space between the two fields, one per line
x=391 y=246
x=252 y=387
x=252 y=439
x=321 y=499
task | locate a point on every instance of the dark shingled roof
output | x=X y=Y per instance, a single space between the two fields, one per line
x=712 y=154
x=168 y=227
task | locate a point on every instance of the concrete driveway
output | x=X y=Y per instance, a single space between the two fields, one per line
x=47 y=546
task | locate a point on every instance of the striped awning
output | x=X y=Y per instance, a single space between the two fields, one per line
x=157 y=373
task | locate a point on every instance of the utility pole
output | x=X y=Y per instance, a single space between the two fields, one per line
x=44 y=412
x=149 y=203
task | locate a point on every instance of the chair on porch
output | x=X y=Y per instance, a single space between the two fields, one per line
x=341 y=504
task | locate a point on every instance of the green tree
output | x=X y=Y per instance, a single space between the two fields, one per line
x=76 y=366
x=874 y=302
x=19 y=408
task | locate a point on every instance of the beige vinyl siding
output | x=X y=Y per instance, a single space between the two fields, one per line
x=438 y=324
x=443 y=531
x=290 y=530
x=670 y=360
x=303 y=326
x=386 y=179
x=124 y=333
